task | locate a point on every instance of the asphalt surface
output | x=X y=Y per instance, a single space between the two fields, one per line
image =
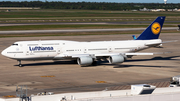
x=79 y=30
x=67 y=76
x=82 y=23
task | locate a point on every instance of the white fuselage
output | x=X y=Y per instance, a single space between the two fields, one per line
x=51 y=49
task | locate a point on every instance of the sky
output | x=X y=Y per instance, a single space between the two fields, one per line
x=117 y=1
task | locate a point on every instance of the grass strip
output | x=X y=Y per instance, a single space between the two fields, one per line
x=80 y=13
x=78 y=34
x=49 y=27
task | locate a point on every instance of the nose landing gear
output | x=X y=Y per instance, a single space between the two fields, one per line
x=19 y=62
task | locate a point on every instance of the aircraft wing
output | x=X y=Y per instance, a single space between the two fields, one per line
x=109 y=54
x=139 y=54
x=134 y=54
x=105 y=55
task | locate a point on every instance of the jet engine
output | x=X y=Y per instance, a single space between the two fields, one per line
x=86 y=60
x=116 y=59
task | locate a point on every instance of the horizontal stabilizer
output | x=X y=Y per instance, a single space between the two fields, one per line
x=169 y=41
x=152 y=44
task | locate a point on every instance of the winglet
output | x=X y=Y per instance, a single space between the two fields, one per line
x=134 y=37
x=153 y=31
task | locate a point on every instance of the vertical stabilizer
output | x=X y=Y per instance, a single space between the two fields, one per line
x=153 y=30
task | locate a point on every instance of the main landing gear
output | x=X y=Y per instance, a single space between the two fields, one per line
x=94 y=63
x=19 y=61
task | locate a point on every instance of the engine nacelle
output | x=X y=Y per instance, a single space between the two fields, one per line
x=116 y=59
x=86 y=60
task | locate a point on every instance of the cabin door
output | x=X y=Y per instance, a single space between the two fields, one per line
x=58 y=50
x=85 y=50
x=110 y=49
x=29 y=50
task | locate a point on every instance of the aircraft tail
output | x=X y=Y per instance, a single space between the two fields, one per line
x=153 y=30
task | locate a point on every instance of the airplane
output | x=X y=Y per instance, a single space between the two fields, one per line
x=87 y=53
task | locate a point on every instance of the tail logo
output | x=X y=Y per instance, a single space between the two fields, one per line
x=156 y=28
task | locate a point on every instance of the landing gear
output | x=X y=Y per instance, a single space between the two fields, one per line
x=19 y=61
x=94 y=63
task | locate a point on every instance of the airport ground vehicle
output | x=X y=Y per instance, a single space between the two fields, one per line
x=175 y=81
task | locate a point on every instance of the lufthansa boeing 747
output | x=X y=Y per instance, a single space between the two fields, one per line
x=86 y=52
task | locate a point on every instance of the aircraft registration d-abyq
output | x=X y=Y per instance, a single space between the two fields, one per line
x=86 y=53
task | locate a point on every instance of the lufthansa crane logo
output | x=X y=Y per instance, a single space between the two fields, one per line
x=156 y=28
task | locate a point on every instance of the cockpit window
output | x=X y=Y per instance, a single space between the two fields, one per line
x=14 y=44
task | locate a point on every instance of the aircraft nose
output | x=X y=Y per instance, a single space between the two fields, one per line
x=4 y=52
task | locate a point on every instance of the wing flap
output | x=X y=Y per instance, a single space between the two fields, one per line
x=155 y=53
x=105 y=55
x=139 y=53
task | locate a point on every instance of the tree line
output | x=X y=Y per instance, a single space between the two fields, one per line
x=88 y=5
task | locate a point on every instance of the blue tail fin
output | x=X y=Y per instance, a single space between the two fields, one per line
x=153 y=30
